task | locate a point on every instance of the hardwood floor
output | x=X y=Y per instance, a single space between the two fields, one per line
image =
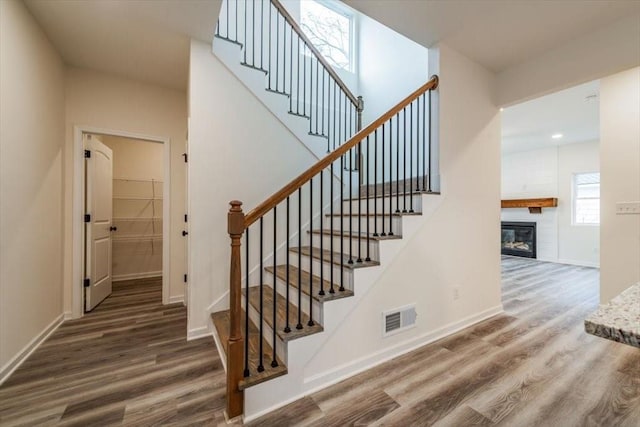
x=125 y=363
x=532 y=366
x=128 y=363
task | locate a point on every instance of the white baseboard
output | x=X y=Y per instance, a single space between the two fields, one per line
x=176 y=299
x=18 y=359
x=579 y=263
x=121 y=277
x=201 y=332
x=349 y=369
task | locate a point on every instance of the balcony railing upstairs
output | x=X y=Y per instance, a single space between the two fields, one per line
x=273 y=42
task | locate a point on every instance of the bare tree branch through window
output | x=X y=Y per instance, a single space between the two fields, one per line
x=329 y=31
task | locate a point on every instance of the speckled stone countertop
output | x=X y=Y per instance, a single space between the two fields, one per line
x=619 y=320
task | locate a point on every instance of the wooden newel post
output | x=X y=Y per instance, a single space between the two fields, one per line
x=235 y=354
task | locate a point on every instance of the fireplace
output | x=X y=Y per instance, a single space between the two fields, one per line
x=519 y=239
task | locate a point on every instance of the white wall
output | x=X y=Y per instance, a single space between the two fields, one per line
x=608 y=50
x=390 y=67
x=236 y=153
x=436 y=258
x=548 y=172
x=108 y=102
x=31 y=186
x=620 y=176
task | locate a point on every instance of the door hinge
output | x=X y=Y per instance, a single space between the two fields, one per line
x=87 y=282
x=87 y=154
x=87 y=217
x=185 y=278
x=186 y=157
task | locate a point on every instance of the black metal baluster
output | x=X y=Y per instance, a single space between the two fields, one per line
x=261 y=321
x=331 y=290
x=246 y=309
x=277 y=49
x=351 y=212
x=310 y=323
x=375 y=184
x=341 y=225
x=298 y=75
x=404 y=162
x=227 y=23
x=244 y=44
x=310 y=94
x=368 y=177
x=317 y=94
x=382 y=175
x=429 y=146
x=287 y=329
x=398 y=162
x=253 y=34
x=321 y=236
x=236 y=2
x=411 y=141
x=334 y=116
x=391 y=176
x=262 y=34
x=417 y=101
x=304 y=79
x=299 y=325
x=424 y=145
x=274 y=359
x=359 y=221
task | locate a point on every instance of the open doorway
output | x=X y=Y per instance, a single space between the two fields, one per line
x=551 y=177
x=125 y=215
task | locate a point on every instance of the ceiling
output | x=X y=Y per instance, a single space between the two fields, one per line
x=141 y=39
x=574 y=113
x=497 y=34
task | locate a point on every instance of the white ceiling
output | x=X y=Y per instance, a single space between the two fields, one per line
x=496 y=33
x=141 y=39
x=573 y=112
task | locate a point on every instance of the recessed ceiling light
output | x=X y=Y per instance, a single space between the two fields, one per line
x=501 y=109
x=557 y=136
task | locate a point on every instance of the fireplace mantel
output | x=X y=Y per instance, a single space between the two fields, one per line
x=534 y=205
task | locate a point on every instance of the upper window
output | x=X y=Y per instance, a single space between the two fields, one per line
x=330 y=31
x=586 y=198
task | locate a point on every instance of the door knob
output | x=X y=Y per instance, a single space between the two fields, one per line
x=112 y=228
x=184 y=232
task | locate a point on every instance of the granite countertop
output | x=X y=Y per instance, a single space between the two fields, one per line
x=619 y=320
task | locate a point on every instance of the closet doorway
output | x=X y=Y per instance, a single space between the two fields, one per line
x=125 y=220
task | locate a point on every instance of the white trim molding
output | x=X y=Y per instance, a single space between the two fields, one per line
x=78 y=211
x=18 y=359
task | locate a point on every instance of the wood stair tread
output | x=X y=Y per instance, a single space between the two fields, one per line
x=281 y=310
x=355 y=214
x=222 y=322
x=281 y=273
x=401 y=194
x=355 y=234
x=334 y=257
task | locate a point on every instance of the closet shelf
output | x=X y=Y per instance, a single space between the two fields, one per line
x=135 y=237
x=136 y=198
x=138 y=219
x=138 y=180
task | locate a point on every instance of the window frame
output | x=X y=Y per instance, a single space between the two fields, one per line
x=334 y=6
x=575 y=198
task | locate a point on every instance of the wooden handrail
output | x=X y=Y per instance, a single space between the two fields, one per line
x=323 y=163
x=321 y=59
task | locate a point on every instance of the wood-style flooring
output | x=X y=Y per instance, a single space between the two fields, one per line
x=128 y=363
x=532 y=366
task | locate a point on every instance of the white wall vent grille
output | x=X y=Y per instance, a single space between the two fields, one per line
x=398 y=320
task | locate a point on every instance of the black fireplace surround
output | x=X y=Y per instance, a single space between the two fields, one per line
x=519 y=239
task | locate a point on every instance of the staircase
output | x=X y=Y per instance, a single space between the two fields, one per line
x=299 y=259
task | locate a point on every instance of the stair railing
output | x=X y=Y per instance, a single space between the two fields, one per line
x=397 y=163
x=273 y=42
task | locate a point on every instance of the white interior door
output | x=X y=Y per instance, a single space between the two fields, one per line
x=98 y=199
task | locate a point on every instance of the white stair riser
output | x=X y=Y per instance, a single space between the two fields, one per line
x=355 y=222
x=377 y=203
x=326 y=239
x=327 y=267
x=293 y=298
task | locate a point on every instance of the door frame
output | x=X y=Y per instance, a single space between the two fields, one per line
x=78 y=231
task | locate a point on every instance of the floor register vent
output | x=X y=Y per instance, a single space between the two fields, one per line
x=398 y=320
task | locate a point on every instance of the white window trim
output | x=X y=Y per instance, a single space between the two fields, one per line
x=353 y=37
x=574 y=199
